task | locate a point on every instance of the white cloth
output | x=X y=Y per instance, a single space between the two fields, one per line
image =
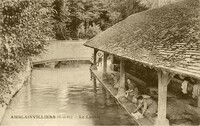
x=184 y=86
x=196 y=91
x=137 y=115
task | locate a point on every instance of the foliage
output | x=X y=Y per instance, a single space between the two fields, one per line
x=61 y=31
x=76 y=15
x=24 y=27
x=84 y=12
x=120 y=10
x=93 y=31
x=61 y=17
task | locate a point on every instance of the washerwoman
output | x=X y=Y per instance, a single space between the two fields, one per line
x=147 y=105
x=132 y=92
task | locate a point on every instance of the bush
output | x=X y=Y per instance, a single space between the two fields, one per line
x=24 y=27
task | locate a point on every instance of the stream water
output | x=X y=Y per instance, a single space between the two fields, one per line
x=63 y=97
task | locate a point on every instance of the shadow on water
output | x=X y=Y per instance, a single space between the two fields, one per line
x=64 y=97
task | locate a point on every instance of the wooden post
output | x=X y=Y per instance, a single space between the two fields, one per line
x=105 y=55
x=95 y=56
x=163 y=80
x=121 y=90
x=94 y=63
x=112 y=59
x=112 y=62
x=95 y=84
x=104 y=95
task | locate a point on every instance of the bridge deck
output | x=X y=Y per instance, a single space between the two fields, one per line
x=64 y=50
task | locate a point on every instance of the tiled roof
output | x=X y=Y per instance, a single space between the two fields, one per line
x=167 y=37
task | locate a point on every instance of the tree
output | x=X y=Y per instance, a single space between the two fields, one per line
x=72 y=16
x=61 y=17
x=25 y=25
x=120 y=10
x=86 y=12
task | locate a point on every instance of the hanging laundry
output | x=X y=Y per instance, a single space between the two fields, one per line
x=184 y=86
x=196 y=91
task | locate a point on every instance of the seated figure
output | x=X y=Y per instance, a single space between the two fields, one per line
x=147 y=105
x=115 y=79
x=132 y=92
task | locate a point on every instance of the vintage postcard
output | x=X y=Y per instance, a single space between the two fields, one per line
x=99 y=62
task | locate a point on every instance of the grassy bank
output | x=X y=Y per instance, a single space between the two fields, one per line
x=17 y=83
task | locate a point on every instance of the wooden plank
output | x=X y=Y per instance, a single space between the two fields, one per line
x=180 y=71
x=188 y=70
x=61 y=59
x=192 y=64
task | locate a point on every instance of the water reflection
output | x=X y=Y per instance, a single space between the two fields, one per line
x=67 y=95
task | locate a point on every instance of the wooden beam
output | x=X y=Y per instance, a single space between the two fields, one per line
x=105 y=56
x=121 y=89
x=163 y=80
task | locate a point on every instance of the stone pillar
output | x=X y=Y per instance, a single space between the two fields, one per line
x=163 y=80
x=105 y=55
x=121 y=90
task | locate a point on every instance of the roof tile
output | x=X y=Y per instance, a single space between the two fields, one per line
x=172 y=31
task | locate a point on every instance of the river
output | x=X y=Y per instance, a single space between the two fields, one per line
x=63 y=97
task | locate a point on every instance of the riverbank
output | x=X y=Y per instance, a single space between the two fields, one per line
x=18 y=82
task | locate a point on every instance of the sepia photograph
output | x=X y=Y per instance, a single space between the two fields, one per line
x=99 y=62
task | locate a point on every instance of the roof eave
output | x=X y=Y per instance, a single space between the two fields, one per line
x=171 y=70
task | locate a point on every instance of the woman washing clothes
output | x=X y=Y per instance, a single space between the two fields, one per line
x=147 y=105
x=132 y=92
x=115 y=80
